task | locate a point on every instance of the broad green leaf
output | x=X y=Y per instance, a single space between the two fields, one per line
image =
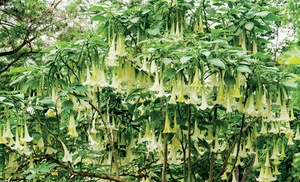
x=243 y=68
x=216 y=62
x=2 y=98
x=68 y=104
x=81 y=88
x=135 y=20
x=249 y=25
x=167 y=61
x=185 y=59
x=96 y=8
x=8 y=103
x=290 y=84
x=47 y=102
x=82 y=97
x=262 y=14
x=229 y=80
x=98 y=18
x=153 y=31
x=31 y=176
x=272 y=17
x=211 y=11
x=38 y=108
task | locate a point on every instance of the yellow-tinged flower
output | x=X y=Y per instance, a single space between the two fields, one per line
x=267 y=161
x=153 y=67
x=27 y=137
x=256 y=163
x=121 y=45
x=152 y=144
x=67 y=156
x=196 y=132
x=112 y=54
x=2 y=139
x=210 y=135
x=204 y=104
x=261 y=174
x=180 y=86
x=275 y=152
x=196 y=81
x=249 y=107
x=72 y=127
x=50 y=113
x=233 y=177
x=284 y=115
x=167 y=128
x=297 y=136
x=7 y=133
x=263 y=128
x=254 y=49
x=18 y=147
x=243 y=152
x=147 y=135
x=224 y=177
x=155 y=86
x=217 y=144
x=276 y=172
x=282 y=154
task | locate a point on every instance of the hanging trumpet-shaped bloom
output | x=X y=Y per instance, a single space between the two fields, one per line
x=256 y=163
x=196 y=132
x=249 y=107
x=147 y=135
x=167 y=128
x=263 y=128
x=196 y=81
x=276 y=172
x=204 y=104
x=297 y=136
x=284 y=115
x=275 y=152
x=210 y=135
x=112 y=54
x=282 y=154
x=27 y=137
x=18 y=147
x=67 y=156
x=2 y=139
x=261 y=174
x=121 y=46
x=156 y=86
x=267 y=161
x=72 y=127
x=7 y=133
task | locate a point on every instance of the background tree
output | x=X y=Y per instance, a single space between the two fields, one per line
x=164 y=91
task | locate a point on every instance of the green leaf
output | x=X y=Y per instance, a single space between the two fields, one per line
x=47 y=102
x=68 y=105
x=82 y=97
x=229 y=80
x=185 y=59
x=81 y=88
x=98 y=18
x=261 y=14
x=30 y=176
x=134 y=20
x=272 y=17
x=96 y=8
x=153 y=31
x=249 y=25
x=243 y=68
x=44 y=170
x=38 y=108
x=2 y=98
x=211 y=11
x=96 y=152
x=217 y=62
x=290 y=84
x=167 y=61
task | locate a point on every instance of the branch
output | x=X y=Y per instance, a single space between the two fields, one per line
x=231 y=148
x=249 y=168
x=14 y=61
x=19 y=47
x=82 y=173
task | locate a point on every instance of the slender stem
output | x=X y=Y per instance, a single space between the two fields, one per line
x=189 y=144
x=212 y=153
x=249 y=168
x=238 y=146
x=165 y=151
x=231 y=148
